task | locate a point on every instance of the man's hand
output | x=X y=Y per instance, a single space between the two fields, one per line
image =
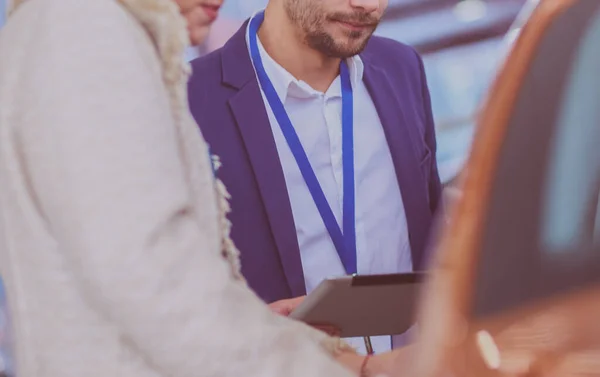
x=286 y=307
x=388 y=364
x=393 y=363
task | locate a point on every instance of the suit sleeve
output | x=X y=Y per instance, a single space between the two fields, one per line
x=433 y=181
x=103 y=163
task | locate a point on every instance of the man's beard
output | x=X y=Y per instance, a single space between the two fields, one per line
x=312 y=22
x=326 y=44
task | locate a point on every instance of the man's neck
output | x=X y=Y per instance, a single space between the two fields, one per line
x=288 y=49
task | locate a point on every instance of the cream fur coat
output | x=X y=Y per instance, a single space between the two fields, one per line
x=111 y=225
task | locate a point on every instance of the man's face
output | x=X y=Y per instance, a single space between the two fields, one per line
x=336 y=28
x=200 y=14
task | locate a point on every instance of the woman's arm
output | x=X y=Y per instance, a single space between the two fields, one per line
x=100 y=150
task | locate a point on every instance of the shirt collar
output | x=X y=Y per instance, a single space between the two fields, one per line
x=286 y=84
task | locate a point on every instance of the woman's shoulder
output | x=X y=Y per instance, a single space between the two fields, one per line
x=64 y=12
x=78 y=53
x=80 y=36
x=71 y=22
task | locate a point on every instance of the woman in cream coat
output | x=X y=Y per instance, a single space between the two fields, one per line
x=114 y=243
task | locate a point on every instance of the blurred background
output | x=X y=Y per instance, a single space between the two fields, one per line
x=462 y=43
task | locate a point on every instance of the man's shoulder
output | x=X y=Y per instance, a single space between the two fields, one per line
x=378 y=43
x=207 y=66
x=388 y=53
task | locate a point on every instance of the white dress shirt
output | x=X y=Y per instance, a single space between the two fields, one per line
x=382 y=242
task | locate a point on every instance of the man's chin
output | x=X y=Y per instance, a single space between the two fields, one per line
x=349 y=51
x=350 y=45
x=338 y=45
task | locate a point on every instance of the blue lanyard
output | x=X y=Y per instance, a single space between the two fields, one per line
x=345 y=243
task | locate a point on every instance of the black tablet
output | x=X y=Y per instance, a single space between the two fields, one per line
x=364 y=305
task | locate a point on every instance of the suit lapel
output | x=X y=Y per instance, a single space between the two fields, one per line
x=401 y=143
x=250 y=114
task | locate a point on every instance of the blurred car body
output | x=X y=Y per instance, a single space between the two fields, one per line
x=516 y=285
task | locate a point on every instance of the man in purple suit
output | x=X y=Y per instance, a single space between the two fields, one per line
x=327 y=142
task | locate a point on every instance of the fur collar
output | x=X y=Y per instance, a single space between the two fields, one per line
x=168 y=31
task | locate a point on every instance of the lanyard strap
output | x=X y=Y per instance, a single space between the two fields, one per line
x=344 y=242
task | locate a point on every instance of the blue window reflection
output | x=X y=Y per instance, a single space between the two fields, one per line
x=5 y=359
x=458 y=80
x=2 y=12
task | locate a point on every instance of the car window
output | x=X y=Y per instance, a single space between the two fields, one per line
x=573 y=174
x=540 y=236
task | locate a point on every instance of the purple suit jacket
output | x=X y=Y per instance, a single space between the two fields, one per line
x=226 y=102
